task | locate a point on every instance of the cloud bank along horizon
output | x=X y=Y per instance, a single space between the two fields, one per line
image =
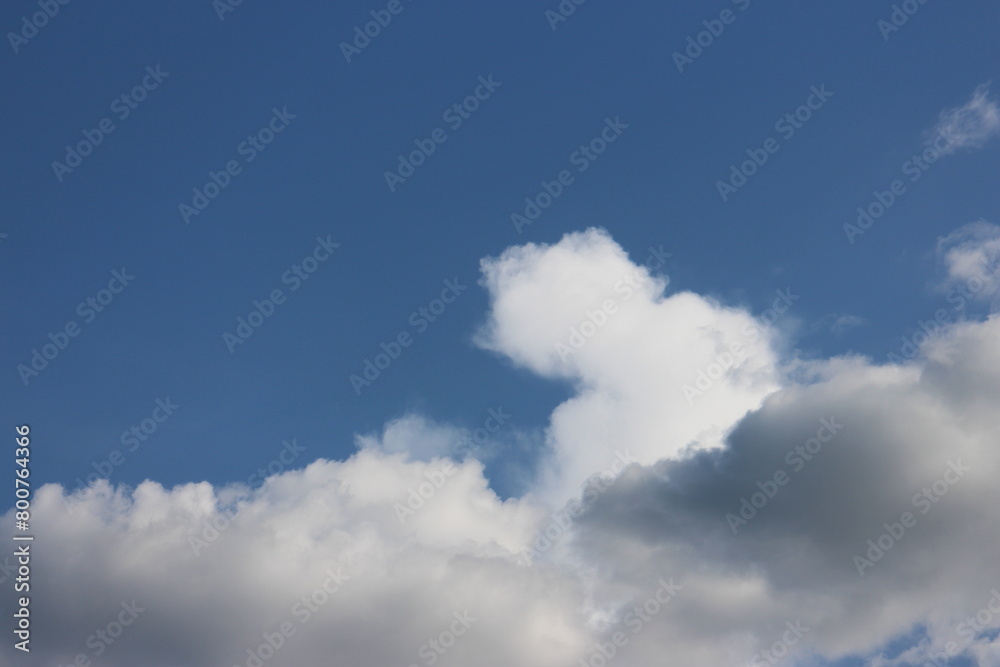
x=792 y=507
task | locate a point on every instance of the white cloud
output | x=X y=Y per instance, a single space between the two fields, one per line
x=630 y=362
x=403 y=580
x=971 y=258
x=417 y=437
x=970 y=125
x=795 y=559
x=793 y=562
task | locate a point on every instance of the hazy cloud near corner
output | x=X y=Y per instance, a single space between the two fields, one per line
x=971 y=257
x=970 y=125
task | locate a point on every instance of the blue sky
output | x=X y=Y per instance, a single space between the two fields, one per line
x=222 y=78
x=324 y=176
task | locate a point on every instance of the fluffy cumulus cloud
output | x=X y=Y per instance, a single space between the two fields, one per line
x=798 y=511
x=655 y=375
x=366 y=561
x=970 y=125
x=862 y=503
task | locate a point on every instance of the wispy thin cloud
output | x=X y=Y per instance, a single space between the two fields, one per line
x=970 y=125
x=844 y=323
